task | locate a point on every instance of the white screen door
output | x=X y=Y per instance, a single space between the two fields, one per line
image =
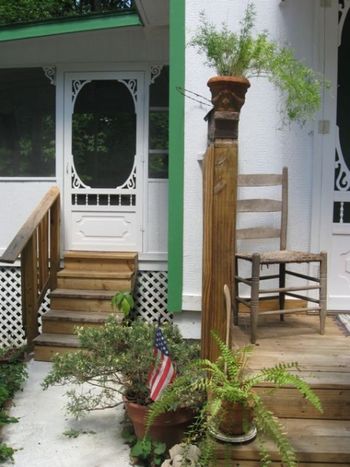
x=103 y=161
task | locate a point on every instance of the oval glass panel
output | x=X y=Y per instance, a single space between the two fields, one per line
x=104 y=134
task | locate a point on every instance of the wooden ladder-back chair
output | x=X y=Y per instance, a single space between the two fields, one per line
x=281 y=257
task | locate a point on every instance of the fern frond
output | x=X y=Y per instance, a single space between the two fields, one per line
x=269 y=425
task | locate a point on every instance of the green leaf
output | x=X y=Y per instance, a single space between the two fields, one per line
x=159 y=448
x=142 y=448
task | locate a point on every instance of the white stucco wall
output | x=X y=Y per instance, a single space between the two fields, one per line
x=263 y=145
x=18 y=199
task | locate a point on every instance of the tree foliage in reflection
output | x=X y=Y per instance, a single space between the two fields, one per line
x=33 y=10
x=104 y=147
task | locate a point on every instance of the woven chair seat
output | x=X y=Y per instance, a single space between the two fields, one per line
x=283 y=256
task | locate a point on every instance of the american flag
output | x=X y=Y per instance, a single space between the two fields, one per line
x=163 y=372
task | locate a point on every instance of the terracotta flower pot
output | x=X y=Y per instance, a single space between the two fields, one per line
x=228 y=92
x=235 y=419
x=169 y=428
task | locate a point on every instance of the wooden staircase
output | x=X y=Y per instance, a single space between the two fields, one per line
x=83 y=297
x=319 y=439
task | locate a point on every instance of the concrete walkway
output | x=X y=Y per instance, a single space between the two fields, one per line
x=38 y=436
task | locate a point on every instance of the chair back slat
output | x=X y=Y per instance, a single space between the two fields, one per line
x=251 y=180
x=259 y=205
x=255 y=205
x=254 y=233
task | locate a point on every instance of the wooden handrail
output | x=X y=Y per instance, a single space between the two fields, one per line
x=37 y=243
x=20 y=240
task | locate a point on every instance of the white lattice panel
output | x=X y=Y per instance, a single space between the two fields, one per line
x=151 y=296
x=11 y=330
x=150 y=302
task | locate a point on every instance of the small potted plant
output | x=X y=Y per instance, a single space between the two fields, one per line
x=116 y=360
x=240 y=56
x=234 y=411
x=123 y=301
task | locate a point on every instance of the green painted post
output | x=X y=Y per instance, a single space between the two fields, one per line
x=176 y=154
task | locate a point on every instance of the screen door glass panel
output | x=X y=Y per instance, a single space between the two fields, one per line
x=104 y=134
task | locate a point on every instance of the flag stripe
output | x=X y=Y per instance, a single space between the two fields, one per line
x=163 y=372
x=166 y=373
x=153 y=373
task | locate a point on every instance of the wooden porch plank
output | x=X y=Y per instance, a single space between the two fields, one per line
x=289 y=403
x=322 y=441
x=252 y=463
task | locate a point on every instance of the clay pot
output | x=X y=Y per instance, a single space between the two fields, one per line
x=228 y=92
x=169 y=428
x=235 y=419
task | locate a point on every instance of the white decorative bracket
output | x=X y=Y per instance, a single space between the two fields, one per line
x=50 y=73
x=155 y=72
x=77 y=85
x=131 y=84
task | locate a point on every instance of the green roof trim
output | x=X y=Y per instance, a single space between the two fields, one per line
x=68 y=26
x=176 y=154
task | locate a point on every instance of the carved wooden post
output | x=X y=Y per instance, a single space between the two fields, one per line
x=219 y=206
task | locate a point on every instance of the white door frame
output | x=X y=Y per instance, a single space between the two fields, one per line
x=129 y=78
x=324 y=234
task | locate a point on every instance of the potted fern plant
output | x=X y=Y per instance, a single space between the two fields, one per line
x=234 y=411
x=240 y=56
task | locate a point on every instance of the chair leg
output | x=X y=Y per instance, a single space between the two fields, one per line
x=282 y=283
x=235 y=303
x=254 y=302
x=323 y=291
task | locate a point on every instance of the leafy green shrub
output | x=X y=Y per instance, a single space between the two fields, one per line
x=6 y=453
x=117 y=359
x=144 y=452
x=33 y=10
x=12 y=376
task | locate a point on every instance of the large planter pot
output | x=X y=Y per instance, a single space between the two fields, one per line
x=169 y=428
x=228 y=92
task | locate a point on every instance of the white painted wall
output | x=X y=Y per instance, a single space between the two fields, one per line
x=18 y=199
x=264 y=145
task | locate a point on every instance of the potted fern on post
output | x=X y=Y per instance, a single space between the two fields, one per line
x=234 y=411
x=240 y=56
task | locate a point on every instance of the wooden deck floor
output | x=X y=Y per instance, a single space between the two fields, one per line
x=297 y=339
x=320 y=440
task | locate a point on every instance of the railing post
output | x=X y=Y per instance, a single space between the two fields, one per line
x=35 y=277
x=219 y=208
x=220 y=179
x=29 y=271
x=54 y=242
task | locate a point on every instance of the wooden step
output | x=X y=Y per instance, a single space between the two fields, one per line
x=65 y=322
x=47 y=345
x=95 y=280
x=317 y=443
x=287 y=402
x=100 y=260
x=81 y=300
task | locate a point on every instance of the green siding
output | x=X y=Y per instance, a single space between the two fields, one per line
x=176 y=152
x=68 y=26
